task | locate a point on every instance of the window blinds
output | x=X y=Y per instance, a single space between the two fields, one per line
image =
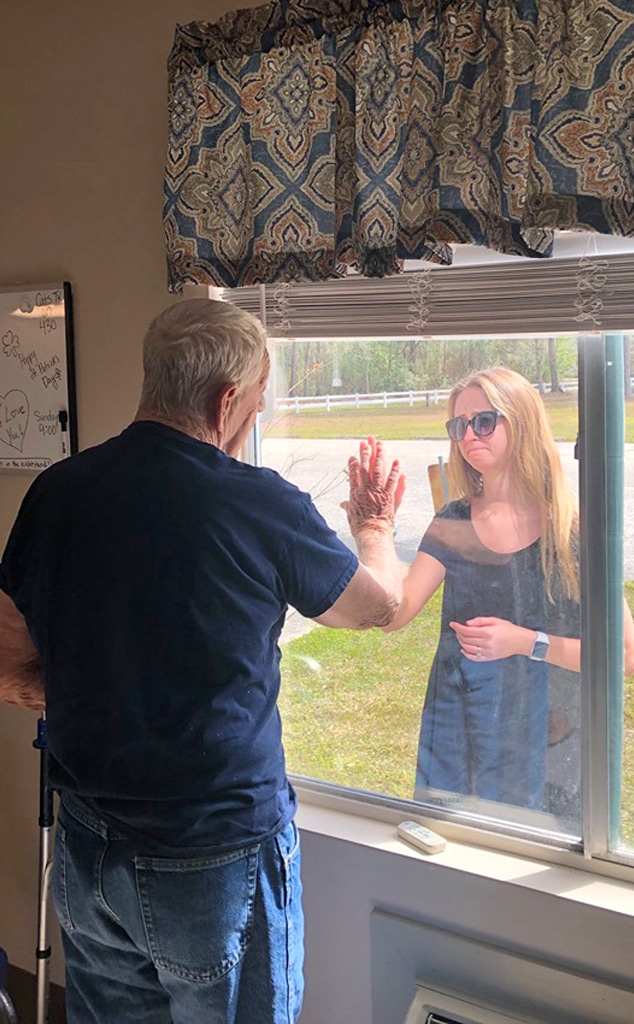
x=522 y=297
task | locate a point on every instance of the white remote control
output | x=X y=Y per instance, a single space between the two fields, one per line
x=423 y=838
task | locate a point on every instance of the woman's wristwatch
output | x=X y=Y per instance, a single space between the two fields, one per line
x=540 y=647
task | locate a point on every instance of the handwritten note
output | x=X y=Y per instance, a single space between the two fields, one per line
x=14 y=418
x=35 y=387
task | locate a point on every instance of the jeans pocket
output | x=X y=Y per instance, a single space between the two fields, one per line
x=287 y=842
x=198 y=914
x=288 y=848
x=61 y=899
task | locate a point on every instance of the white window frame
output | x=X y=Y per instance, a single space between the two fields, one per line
x=598 y=633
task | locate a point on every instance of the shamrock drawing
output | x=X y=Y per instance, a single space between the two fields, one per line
x=10 y=344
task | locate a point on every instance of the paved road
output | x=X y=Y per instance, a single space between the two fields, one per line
x=318 y=467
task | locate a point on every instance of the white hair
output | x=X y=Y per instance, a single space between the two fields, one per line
x=191 y=350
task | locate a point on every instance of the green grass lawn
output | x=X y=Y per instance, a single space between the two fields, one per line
x=402 y=423
x=351 y=703
x=351 y=706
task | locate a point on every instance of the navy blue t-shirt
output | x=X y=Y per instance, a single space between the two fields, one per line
x=154 y=573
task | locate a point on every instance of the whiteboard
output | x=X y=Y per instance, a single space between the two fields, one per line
x=37 y=377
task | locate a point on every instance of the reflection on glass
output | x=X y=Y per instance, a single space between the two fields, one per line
x=500 y=733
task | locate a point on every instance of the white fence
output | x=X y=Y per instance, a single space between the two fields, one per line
x=295 y=403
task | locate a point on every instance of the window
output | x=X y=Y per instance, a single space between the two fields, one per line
x=351 y=701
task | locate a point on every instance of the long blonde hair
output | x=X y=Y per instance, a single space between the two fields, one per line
x=535 y=465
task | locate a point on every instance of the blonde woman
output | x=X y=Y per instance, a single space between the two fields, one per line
x=507 y=554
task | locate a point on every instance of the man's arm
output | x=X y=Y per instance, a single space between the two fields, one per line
x=374 y=593
x=21 y=679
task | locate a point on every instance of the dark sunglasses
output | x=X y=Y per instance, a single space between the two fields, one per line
x=482 y=424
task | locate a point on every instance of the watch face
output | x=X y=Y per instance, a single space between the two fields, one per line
x=540 y=650
x=540 y=647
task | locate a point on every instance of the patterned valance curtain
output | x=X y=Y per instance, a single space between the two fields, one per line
x=309 y=136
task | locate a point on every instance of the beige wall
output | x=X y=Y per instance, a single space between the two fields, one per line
x=82 y=146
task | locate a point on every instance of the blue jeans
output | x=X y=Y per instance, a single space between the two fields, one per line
x=156 y=940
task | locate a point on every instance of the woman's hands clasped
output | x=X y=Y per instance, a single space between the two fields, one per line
x=375 y=492
x=489 y=638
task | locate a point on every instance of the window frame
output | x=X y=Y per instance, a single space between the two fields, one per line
x=601 y=631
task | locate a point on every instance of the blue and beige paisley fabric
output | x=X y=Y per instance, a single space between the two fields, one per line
x=309 y=136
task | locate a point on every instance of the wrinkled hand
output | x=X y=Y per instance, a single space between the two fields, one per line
x=375 y=494
x=488 y=639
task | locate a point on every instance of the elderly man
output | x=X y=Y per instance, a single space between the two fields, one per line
x=143 y=591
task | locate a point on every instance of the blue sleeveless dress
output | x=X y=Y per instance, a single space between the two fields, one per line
x=484 y=728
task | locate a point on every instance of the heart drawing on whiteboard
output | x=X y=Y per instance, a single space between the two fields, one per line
x=14 y=418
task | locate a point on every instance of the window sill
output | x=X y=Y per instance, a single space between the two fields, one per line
x=541 y=868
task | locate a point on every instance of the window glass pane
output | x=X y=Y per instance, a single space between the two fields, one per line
x=501 y=736
x=621 y=480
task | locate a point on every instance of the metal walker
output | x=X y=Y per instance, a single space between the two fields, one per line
x=43 y=950
x=45 y=821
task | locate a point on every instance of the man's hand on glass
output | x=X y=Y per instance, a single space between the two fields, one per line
x=375 y=492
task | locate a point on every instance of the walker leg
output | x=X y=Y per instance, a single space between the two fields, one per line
x=7 y=1012
x=43 y=951
x=46 y=819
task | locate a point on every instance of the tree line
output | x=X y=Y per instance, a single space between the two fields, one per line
x=327 y=367
x=323 y=367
